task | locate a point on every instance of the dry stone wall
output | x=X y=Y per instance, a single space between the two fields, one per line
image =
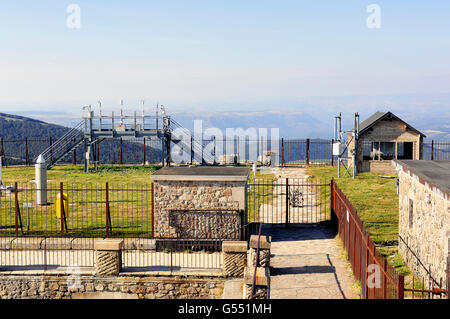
x=424 y=239
x=90 y=287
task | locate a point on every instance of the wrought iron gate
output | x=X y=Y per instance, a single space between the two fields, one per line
x=288 y=201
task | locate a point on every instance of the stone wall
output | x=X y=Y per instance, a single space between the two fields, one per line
x=123 y=287
x=193 y=195
x=205 y=224
x=425 y=242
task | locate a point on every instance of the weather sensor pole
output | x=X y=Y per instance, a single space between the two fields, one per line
x=346 y=148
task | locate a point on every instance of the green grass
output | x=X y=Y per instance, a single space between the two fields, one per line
x=75 y=174
x=129 y=200
x=376 y=201
x=374 y=197
x=261 y=192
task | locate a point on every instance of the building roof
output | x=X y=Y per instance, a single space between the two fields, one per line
x=434 y=173
x=204 y=173
x=378 y=116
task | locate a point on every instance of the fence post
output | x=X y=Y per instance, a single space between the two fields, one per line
x=144 y=159
x=107 y=209
x=16 y=205
x=51 y=149
x=120 y=152
x=192 y=149
x=2 y=152
x=448 y=271
x=401 y=287
x=282 y=151
x=27 y=160
x=287 y=202
x=214 y=161
x=153 y=210
x=74 y=157
x=61 y=207
x=307 y=151
x=97 y=158
x=332 y=157
x=384 y=279
x=432 y=150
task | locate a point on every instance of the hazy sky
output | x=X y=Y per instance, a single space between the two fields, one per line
x=218 y=53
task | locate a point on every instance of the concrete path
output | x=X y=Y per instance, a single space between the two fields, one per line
x=232 y=289
x=307 y=263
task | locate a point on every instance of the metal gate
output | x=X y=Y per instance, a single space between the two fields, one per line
x=288 y=201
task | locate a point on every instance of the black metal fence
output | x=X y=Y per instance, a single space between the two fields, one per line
x=224 y=150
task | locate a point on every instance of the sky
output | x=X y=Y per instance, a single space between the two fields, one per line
x=220 y=55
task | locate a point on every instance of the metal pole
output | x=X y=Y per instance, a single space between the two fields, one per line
x=332 y=157
x=282 y=151
x=144 y=159
x=287 y=202
x=307 y=151
x=61 y=207
x=432 y=150
x=107 y=209
x=120 y=154
x=27 y=161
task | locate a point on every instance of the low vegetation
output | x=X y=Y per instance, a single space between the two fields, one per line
x=375 y=198
x=86 y=211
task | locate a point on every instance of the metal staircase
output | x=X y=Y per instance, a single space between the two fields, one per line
x=64 y=145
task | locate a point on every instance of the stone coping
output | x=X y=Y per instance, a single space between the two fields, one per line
x=434 y=174
x=69 y=243
x=108 y=244
x=201 y=173
x=234 y=246
x=125 y=272
x=264 y=242
x=262 y=276
x=189 y=178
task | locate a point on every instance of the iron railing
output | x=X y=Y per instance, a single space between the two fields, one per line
x=362 y=253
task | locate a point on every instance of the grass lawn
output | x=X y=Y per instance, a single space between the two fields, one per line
x=376 y=201
x=136 y=174
x=261 y=192
x=129 y=200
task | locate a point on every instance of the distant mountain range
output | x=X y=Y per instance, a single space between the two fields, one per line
x=291 y=124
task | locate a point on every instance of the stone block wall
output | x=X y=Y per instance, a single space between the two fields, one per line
x=123 y=287
x=193 y=195
x=425 y=242
x=206 y=224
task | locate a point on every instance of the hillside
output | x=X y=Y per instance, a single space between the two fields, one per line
x=19 y=127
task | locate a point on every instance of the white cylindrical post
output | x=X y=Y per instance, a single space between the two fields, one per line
x=41 y=181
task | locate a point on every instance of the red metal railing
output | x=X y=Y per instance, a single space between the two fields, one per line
x=378 y=279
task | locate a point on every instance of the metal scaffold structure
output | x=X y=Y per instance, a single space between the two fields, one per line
x=345 y=148
x=94 y=128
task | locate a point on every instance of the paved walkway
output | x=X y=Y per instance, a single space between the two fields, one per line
x=307 y=262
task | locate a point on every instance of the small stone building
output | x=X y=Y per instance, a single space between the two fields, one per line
x=384 y=137
x=424 y=216
x=199 y=202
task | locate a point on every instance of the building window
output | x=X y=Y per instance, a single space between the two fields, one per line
x=411 y=212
